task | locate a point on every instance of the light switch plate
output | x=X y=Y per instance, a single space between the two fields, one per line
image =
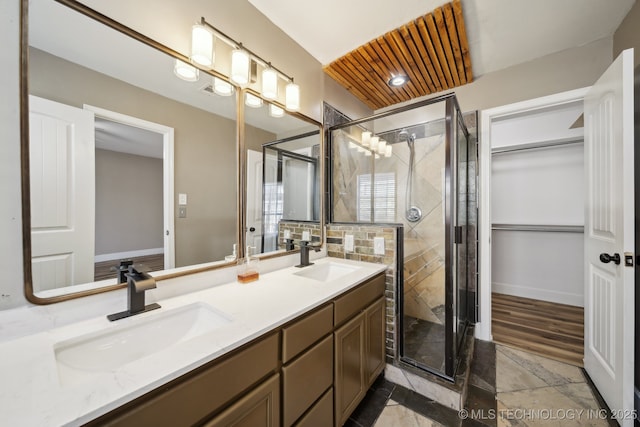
x=287 y=234
x=306 y=236
x=182 y=198
x=348 y=242
x=378 y=245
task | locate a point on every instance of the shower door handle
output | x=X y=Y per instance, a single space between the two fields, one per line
x=606 y=258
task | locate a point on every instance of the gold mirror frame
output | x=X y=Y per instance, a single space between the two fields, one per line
x=240 y=154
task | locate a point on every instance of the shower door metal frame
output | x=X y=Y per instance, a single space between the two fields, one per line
x=451 y=118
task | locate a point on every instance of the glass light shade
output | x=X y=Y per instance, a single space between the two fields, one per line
x=373 y=144
x=275 y=111
x=367 y=153
x=222 y=88
x=387 y=151
x=202 y=45
x=292 y=97
x=382 y=145
x=269 y=83
x=366 y=138
x=252 y=101
x=377 y=156
x=240 y=67
x=186 y=71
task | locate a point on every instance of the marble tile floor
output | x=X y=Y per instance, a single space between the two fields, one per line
x=507 y=387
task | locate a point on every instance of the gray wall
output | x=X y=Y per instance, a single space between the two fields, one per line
x=128 y=202
x=627 y=34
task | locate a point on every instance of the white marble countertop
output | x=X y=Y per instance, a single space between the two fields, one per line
x=34 y=394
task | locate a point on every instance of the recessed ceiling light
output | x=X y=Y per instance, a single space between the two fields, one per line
x=397 y=81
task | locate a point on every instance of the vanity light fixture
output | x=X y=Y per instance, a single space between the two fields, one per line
x=244 y=64
x=252 y=101
x=382 y=146
x=269 y=83
x=397 y=81
x=275 y=111
x=366 y=138
x=186 y=71
x=388 y=150
x=292 y=96
x=222 y=88
x=202 y=46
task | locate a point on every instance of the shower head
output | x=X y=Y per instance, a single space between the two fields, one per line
x=403 y=135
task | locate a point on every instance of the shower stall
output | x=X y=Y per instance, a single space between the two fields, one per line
x=414 y=168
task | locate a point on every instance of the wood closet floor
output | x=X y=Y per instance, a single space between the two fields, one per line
x=552 y=330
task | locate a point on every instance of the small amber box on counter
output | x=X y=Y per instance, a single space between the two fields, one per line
x=248 y=276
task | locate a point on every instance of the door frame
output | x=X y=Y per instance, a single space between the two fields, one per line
x=487 y=117
x=167 y=172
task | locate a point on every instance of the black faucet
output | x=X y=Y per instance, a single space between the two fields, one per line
x=122 y=270
x=137 y=283
x=288 y=244
x=304 y=253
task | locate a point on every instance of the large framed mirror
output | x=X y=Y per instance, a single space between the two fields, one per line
x=283 y=175
x=122 y=160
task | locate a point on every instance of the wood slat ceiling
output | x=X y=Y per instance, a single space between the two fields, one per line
x=432 y=51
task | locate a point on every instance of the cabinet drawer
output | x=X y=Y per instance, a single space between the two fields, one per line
x=321 y=414
x=350 y=304
x=305 y=332
x=258 y=408
x=191 y=400
x=306 y=379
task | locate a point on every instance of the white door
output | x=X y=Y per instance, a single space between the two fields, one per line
x=609 y=230
x=61 y=167
x=254 y=199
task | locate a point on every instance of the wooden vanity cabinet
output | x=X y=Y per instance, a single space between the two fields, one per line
x=359 y=345
x=312 y=371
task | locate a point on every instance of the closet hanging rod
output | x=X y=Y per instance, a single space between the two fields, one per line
x=539 y=144
x=537 y=227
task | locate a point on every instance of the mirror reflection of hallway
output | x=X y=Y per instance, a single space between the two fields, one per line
x=129 y=197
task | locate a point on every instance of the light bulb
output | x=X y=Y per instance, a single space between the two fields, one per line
x=373 y=144
x=222 y=88
x=185 y=71
x=252 y=101
x=202 y=45
x=366 y=138
x=382 y=145
x=269 y=83
x=275 y=111
x=292 y=97
x=240 y=67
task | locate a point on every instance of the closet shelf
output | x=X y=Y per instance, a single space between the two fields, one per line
x=539 y=227
x=559 y=142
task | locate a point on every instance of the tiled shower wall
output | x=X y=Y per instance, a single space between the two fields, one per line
x=363 y=235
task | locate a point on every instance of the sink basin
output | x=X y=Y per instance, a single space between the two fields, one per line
x=326 y=272
x=107 y=350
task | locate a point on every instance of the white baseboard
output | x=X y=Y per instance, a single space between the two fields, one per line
x=539 y=294
x=128 y=254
